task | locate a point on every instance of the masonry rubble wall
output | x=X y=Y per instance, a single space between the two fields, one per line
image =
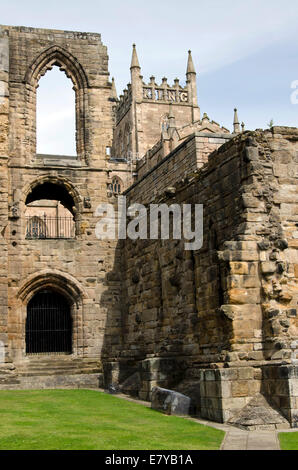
x=4 y=153
x=233 y=302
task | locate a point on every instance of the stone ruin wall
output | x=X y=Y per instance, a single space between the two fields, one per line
x=77 y=267
x=4 y=146
x=149 y=260
x=223 y=318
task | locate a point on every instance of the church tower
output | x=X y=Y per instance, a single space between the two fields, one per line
x=142 y=113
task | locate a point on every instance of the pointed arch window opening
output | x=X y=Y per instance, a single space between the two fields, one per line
x=70 y=65
x=56 y=132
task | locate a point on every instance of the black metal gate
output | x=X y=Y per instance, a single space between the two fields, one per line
x=48 y=324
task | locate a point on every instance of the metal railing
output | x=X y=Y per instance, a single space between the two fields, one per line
x=45 y=227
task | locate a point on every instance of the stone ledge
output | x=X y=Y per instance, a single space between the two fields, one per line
x=54 y=381
x=59 y=160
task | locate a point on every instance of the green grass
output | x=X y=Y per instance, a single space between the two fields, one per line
x=288 y=440
x=91 y=420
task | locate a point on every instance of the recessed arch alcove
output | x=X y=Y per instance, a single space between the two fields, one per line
x=51 y=210
x=48 y=323
x=64 y=188
x=52 y=191
x=55 y=115
x=71 y=295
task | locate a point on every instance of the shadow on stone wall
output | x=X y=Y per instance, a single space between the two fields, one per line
x=161 y=325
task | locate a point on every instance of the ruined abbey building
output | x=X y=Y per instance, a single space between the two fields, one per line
x=218 y=324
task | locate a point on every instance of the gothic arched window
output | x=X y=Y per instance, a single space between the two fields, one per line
x=36 y=228
x=55 y=114
x=50 y=59
x=116 y=185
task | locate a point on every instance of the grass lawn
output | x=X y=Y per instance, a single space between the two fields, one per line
x=288 y=440
x=91 y=420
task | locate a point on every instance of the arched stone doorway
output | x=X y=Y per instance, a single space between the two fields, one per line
x=48 y=324
x=56 y=283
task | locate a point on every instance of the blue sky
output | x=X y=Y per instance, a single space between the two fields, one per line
x=245 y=52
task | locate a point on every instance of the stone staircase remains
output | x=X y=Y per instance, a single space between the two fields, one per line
x=40 y=372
